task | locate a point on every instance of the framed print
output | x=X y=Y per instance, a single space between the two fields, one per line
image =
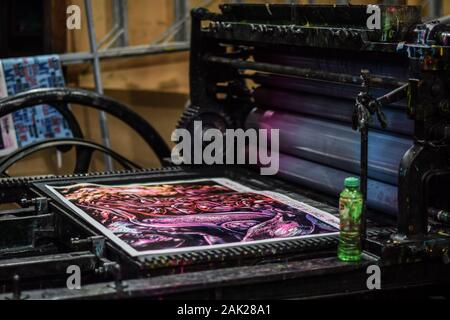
x=162 y=218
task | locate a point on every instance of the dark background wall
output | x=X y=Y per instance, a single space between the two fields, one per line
x=30 y=27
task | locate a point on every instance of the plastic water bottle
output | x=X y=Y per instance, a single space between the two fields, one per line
x=350 y=210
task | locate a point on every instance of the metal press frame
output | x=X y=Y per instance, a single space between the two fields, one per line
x=115 y=43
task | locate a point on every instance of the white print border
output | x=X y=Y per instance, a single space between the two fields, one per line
x=317 y=213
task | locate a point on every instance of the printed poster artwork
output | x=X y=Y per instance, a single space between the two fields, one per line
x=40 y=122
x=162 y=218
x=8 y=139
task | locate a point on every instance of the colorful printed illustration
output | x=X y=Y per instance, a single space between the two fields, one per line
x=8 y=139
x=32 y=124
x=151 y=218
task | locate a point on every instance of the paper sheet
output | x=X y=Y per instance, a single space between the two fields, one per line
x=35 y=124
x=185 y=216
x=8 y=142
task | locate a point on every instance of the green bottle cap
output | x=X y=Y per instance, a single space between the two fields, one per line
x=352 y=182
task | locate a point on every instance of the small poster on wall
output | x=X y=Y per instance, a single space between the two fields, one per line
x=8 y=139
x=38 y=123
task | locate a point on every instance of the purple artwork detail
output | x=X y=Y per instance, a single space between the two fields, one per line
x=190 y=214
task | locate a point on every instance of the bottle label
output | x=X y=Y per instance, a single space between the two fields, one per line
x=350 y=214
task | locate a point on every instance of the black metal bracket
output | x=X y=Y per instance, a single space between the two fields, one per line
x=366 y=106
x=40 y=204
x=95 y=244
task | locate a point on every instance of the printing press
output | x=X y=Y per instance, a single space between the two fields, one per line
x=348 y=101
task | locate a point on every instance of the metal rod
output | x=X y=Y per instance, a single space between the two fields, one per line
x=120 y=15
x=364 y=129
x=385 y=82
x=114 y=39
x=108 y=36
x=361 y=122
x=394 y=96
x=444 y=20
x=436 y=7
x=439 y=215
x=127 y=52
x=364 y=177
x=181 y=12
x=98 y=81
x=118 y=35
x=124 y=22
